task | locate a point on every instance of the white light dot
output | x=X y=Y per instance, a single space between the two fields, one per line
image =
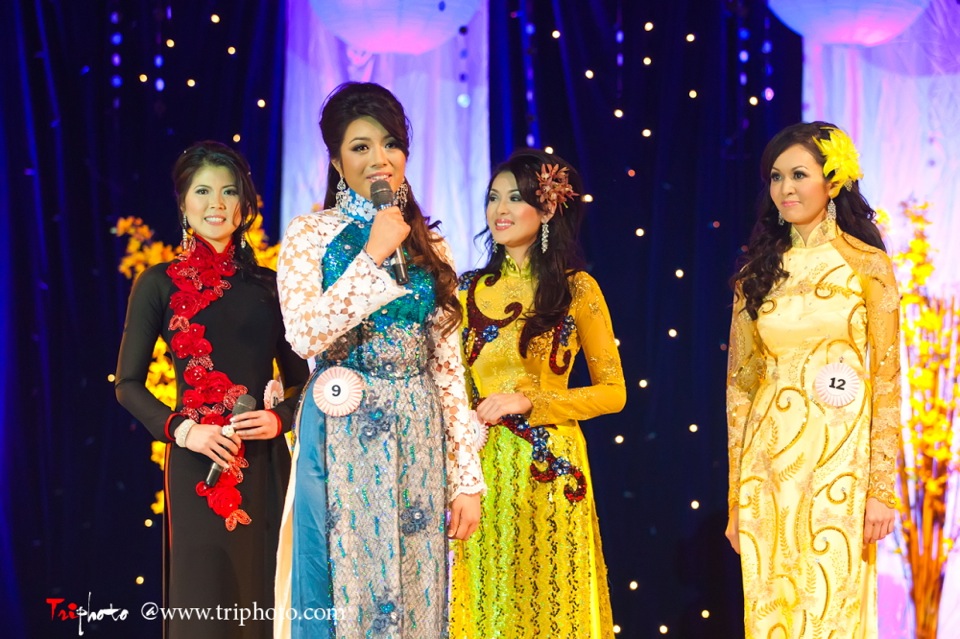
x=139 y=580
x=148 y=523
x=143 y=77
x=695 y=504
x=693 y=93
x=236 y=137
x=647 y=61
x=616 y=629
x=261 y=103
x=648 y=26
x=618 y=113
x=548 y=149
x=616 y=340
x=705 y=614
x=664 y=630
x=691 y=37
x=215 y=19
x=589 y=74
x=643 y=383
x=693 y=428
x=618 y=439
x=231 y=50
x=555 y=34
x=587 y=198
x=672 y=332
x=753 y=100
x=170 y=43
x=679 y=273
x=111 y=377
x=191 y=82
x=646 y=133
x=639 y=232
x=634 y=585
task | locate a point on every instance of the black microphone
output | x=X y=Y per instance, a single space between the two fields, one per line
x=245 y=404
x=382 y=197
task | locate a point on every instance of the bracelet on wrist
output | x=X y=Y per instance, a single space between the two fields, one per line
x=182 y=431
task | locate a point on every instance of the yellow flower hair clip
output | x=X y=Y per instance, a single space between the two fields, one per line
x=554 y=186
x=842 y=159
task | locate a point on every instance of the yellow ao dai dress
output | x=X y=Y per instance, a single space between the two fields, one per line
x=801 y=470
x=535 y=567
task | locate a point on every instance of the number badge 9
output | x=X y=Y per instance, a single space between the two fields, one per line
x=837 y=384
x=338 y=391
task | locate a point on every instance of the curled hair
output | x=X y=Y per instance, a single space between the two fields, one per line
x=215 y=154
x=553 y=269
x=351 y=101
x=761 y=266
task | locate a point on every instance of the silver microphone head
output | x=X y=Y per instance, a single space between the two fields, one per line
x=381 y=194
x=245 y=403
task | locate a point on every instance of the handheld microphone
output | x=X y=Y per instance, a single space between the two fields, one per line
x=382 y=197
x=245 y=404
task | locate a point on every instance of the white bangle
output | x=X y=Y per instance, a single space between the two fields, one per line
x=182 y=431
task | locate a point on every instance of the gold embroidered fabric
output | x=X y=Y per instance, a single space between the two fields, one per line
x=800 y=469
x=535 y=567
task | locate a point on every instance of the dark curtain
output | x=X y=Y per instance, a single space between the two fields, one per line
x=77 y=151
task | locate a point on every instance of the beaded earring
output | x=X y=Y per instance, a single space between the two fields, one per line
x=780 y=219
x=832 y=210
x=544 y=237
x=401 y=196
x=187 y=242
x=342 y=194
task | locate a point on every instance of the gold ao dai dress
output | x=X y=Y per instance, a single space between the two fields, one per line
x=800 y=470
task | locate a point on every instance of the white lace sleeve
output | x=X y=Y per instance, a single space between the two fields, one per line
x=314 y=318
x=446 y=365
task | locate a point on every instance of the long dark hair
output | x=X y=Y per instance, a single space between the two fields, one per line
x=211 y=153
x=353 y=100
x=761 y=266
x=563 y=258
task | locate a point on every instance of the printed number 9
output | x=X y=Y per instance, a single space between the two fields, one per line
x=335 y=390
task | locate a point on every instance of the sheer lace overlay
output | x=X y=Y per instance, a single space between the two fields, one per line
x=446 y=365
x=315 y=318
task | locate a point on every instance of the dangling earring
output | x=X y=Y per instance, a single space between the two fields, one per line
x=544 y=237
x=342 y=194
x=832 y=211
x=401 y=196
x=780 y=219
x=187 y=242
x=495 y=249
x=243 y=241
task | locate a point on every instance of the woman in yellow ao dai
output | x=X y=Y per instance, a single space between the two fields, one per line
x=535 y=566
x=813 y=396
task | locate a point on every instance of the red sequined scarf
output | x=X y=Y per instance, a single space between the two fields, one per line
x=210 y=395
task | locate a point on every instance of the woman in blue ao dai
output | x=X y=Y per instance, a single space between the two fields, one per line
x=363 y=542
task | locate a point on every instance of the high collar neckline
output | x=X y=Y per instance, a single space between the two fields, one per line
x=512 y=269
x=823 y=233
x=357 y=207
x=200 y=241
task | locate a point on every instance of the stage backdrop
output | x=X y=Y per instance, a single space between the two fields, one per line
x=889 y=73
x=444 y=91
